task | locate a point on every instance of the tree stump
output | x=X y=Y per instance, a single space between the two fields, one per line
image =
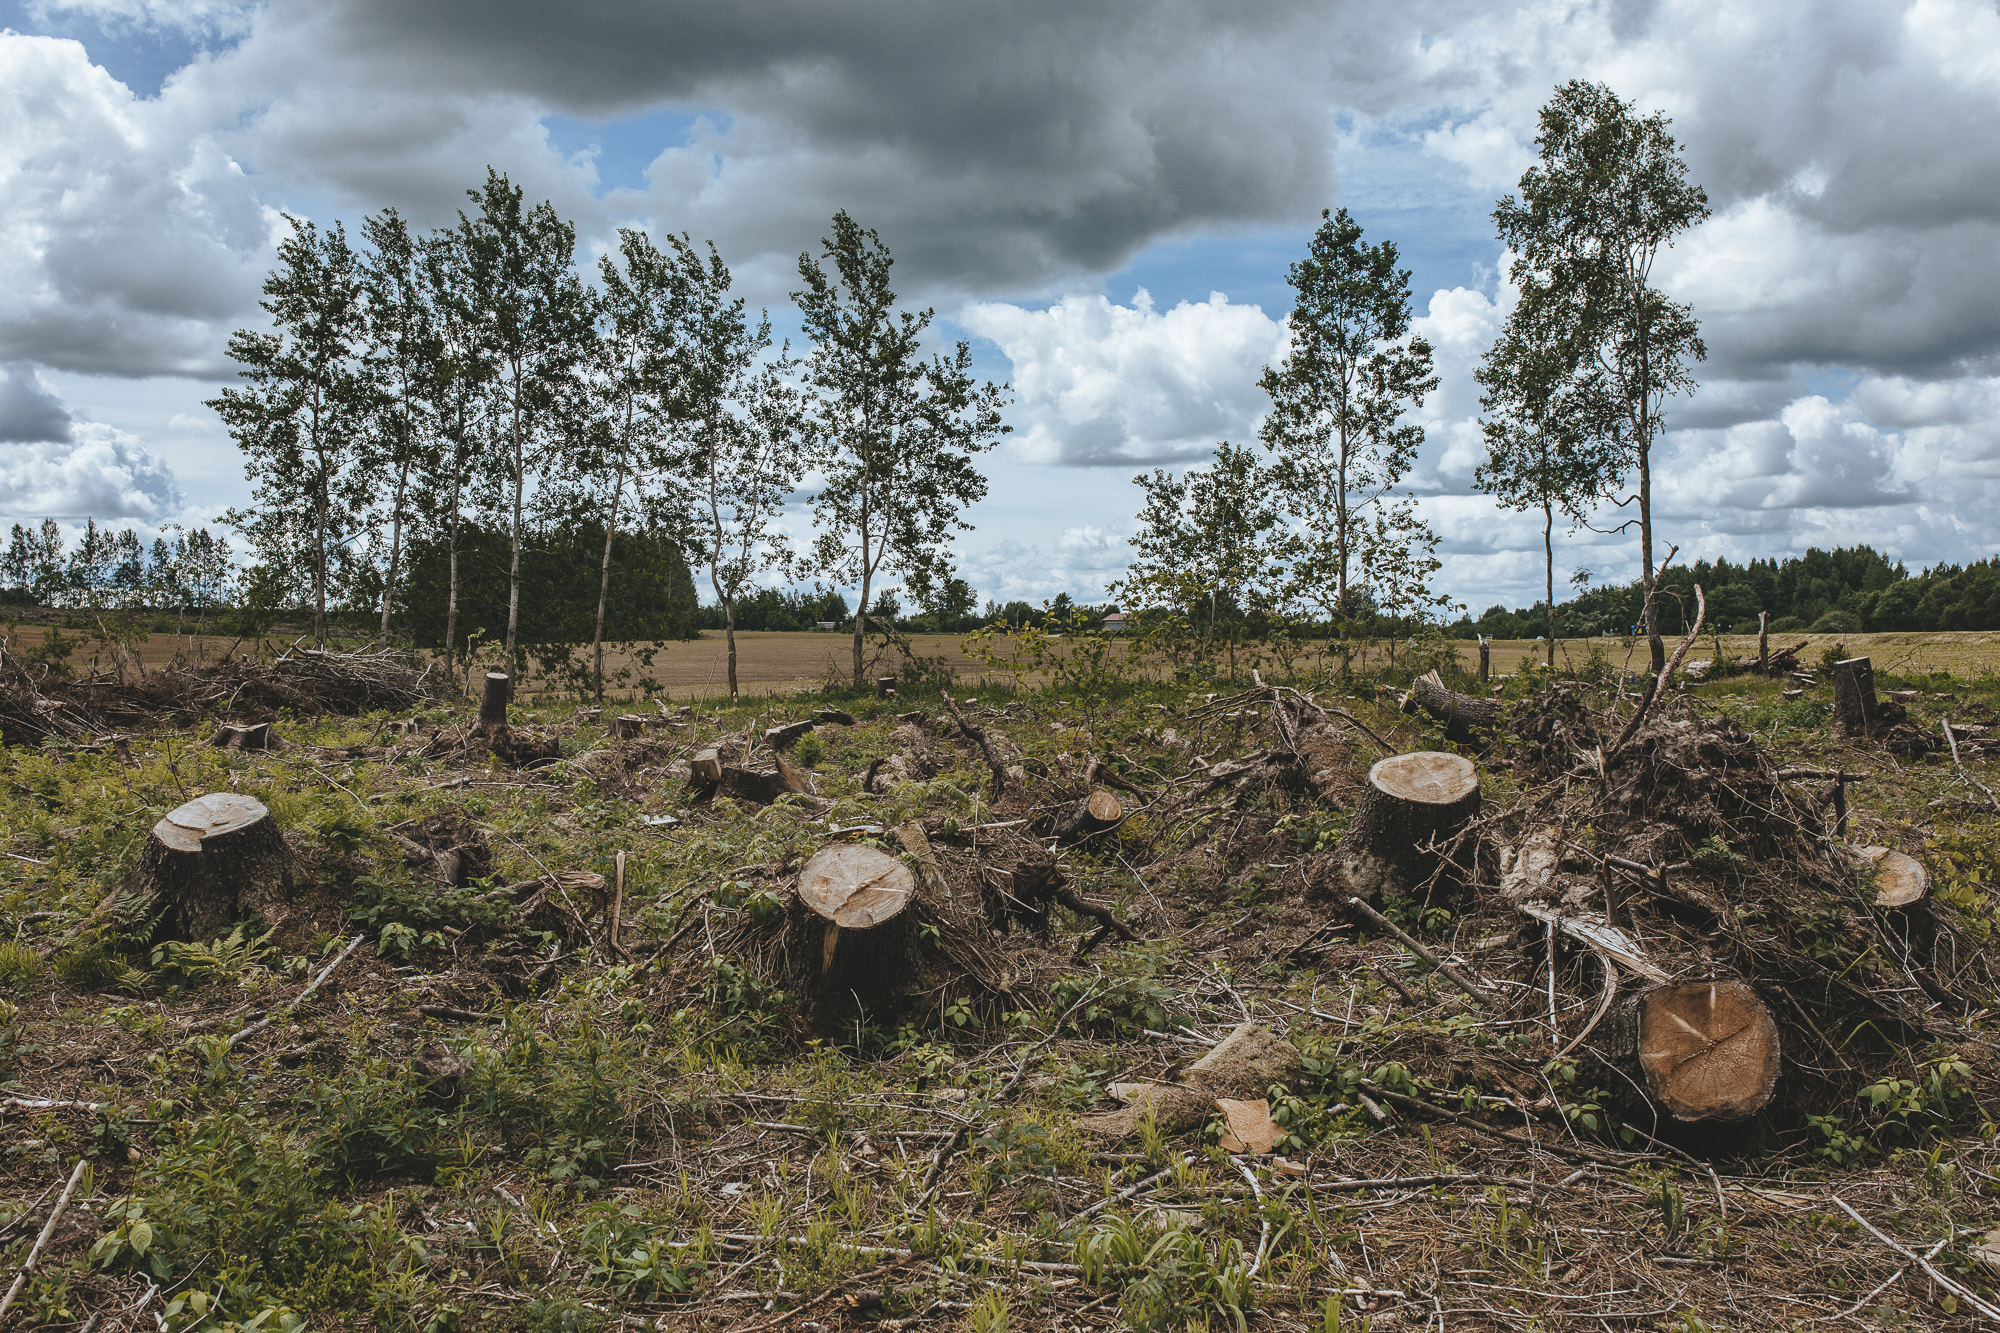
x=1485 y=659
x=785 y=737
x=854 y=927
x=1854 y=696
x=706 y=766
x=1900 y=879
x=493 y=702
x=763 y=788
x=1705 y=1052
x=627 y=726
x=834 y=717
x=1095 y=813
x=1467 y=720
x=258 y=736
x=1411 y=802
x=216 y=860
x=885 y=687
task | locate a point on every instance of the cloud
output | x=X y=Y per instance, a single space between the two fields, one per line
x=1099 y=384
x=29 y=413
x=103 y=474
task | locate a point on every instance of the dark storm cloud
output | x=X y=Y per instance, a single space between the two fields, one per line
x=29 y=413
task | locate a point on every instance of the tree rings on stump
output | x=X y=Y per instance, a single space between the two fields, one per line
x=1709 y=1050
x=856 y=894
x=1412 y=805
x=493 y=702
x=1900 y=879
x=1095 y=813
x=216 y=860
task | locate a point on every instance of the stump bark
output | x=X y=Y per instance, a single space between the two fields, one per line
x=1412 y=805
x=493 y=702
x=1705 y=1052
x=1854 y=707
x=854 y=925
x=258 y=736
x=214 y=861
x=627 y=727
x=1095 y=813
x=785 y=737
x=1467 y=720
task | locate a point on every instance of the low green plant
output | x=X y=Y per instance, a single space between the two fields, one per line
x=20 y=968
x=1166 y=1278
x=189 y=966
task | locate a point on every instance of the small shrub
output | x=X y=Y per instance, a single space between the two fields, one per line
x=20 y=968
x=810 y=749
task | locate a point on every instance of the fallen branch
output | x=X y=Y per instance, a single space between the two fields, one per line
x=303 y=996
x=1957 y=1289
x=1403 y=938
x=48 y=1229
x=1952 y=741
x=1660 y=681
x=978 y=737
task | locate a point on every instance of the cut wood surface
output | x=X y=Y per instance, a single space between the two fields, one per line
x=215 y=860
x=707 y=765
x=1709 y=1049
x=1094 y=813
x=785 y=737
x=627 y=726
x=1900 y=879
x=855 y=886
x=1411 y=806
x=493 y=699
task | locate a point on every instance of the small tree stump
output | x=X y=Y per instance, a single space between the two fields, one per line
x=1900 y=879
x=1095 y=813
x=1411 y=800
x=1854 y=696
x=785 y=737
x=1705 y=1052
x=885 y=686
x=257 y=736
x=493 y=702
x=627 y=726
x=855 y=896
x=216 y=860
x=706 y=766
x=763 y=788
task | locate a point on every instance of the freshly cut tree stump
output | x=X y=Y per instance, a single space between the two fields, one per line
x=855 y=895
x=1900 y=879
x=706 y=766
x=627 y=726
x=216 y=860
x=1854 y=706
x=1705 y=1052
x=1467 y=720
x=1095 y=813
x=785 y=737
x=493 y=702
x=1411 y=801
x=258 y=736
x=750 y=785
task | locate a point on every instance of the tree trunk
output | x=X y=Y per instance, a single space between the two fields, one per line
x=395 y=542
x=514 y=565
x=1763 y=643
x=1094 y=813
x=853 y=928
x=1854 y=696
x=1705 y=1052
x=1485 y=659
x=216 y=860
x=493 y=703
x=1549 y=575
x=257 y=736
x=706 y=766
x=1467 y=720
x=1412 y=806
x=451 y=579
x=729 y=638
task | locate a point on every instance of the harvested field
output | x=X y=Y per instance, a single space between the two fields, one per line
x=1079 y=1024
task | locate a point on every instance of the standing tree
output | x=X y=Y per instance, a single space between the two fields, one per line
x=1543 y=450
x=300 y=424
x=1336 y=430
x=536 y=319
x=893 y=434
x=402 y=328
x=1609 y=191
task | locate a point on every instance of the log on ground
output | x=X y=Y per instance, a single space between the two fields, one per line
x=1467 y=720
x=1094 y=813
x=1412 y=805
x=1704 y=1052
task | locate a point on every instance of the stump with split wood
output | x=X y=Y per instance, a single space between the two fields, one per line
x=1900 y=879
x=257 y=736
x=1704 y=1052
x=850 y=933
x=493 y=702
x=1095 y=813
x=1854 y=706
x=1413 y=805
x=216 y=860
x=1467 y=720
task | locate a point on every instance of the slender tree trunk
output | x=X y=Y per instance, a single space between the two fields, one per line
x=861 y=611
x=395 y=544
x=319 y=573
x=604 y=579
x=1549 y=573
x=451 y=575
x=729 y=637
x=1657 y=645
x=514 y=560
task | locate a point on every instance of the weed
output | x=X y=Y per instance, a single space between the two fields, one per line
x=20 y=968
x=190 y=966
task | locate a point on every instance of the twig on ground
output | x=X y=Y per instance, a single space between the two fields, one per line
x=303 y=996
x=1403 y=937
x=48 y=1229
x=1956 y=1288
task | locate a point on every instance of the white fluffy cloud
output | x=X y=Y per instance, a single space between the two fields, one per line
x=102 y=473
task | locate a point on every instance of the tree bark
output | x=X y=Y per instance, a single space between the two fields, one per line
x=216 y=860
x=854 y=923
x=1549 y=575
x=493 y=703
x=729 y=637
x=1705 y=1052
x=1412 y=805
x=451 y=578
x=257 y=736
x=1485 y=659
x=1763 y=643
x=395 y=540
x=1854 y=696
x=1467 y=720
x=604 y=584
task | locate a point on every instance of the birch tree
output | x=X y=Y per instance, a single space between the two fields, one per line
x=894 y=435
x=403 y=332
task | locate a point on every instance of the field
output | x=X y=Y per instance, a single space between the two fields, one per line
x=557 y=1046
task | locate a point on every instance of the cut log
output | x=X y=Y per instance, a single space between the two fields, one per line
x=1900 y=879
x=1467 y=720
x=493 y=702
x=1412 y=806
x=1854 y=706
x=627 y=726
x=707 y=766
x=1705 y=1052
x=217 y=860
x=785 y=737
x=1095 y=813
x=833 y=717
x=749 y=784
x=855 y=895
x=258 y=736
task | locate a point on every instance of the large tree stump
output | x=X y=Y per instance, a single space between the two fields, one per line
x=1854 y=696
x=1095 y=813
x=854 y=928
x=1413 y=805
x=214 y=861
x=1705 y=1052
x=1900 y=879
x=1467 y=720
x=493 y=702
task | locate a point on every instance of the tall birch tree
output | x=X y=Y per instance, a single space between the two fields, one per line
x=403 y=331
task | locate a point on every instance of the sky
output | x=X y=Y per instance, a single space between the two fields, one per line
x=1102 y=198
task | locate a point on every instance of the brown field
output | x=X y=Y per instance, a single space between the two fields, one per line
x=783 y=662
